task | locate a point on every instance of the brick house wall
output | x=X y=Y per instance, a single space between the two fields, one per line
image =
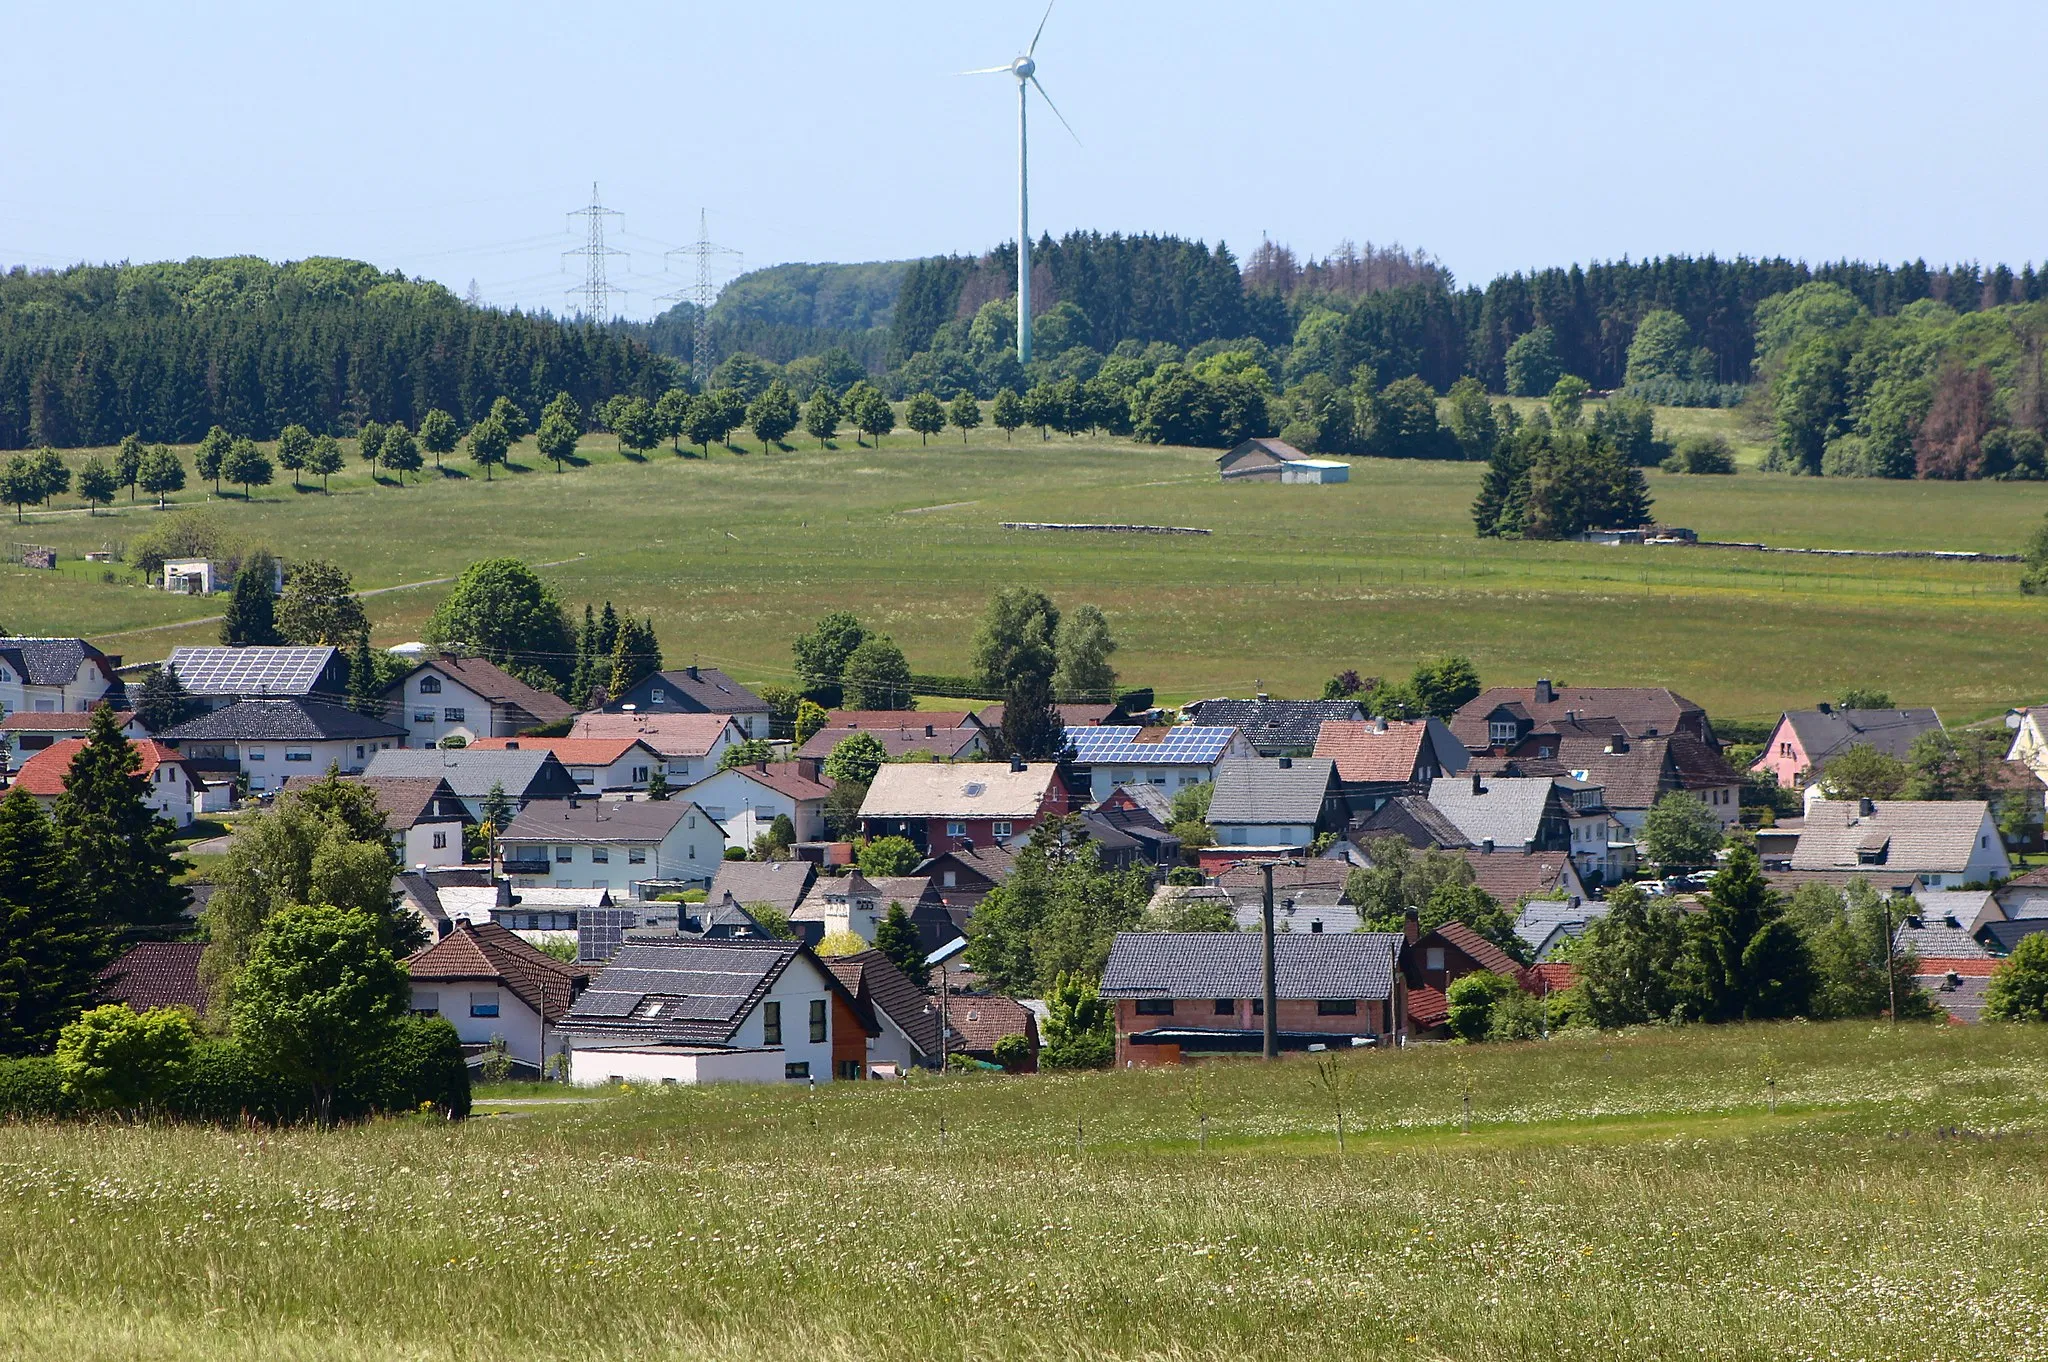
x=1376 y=1015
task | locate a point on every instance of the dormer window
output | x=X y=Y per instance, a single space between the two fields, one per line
x=1501 y=730
x=430 y=685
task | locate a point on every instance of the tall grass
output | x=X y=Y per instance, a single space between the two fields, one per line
x=1618 y=1197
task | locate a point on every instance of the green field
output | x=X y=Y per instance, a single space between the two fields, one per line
x=735 y=555
x=1617 y=1197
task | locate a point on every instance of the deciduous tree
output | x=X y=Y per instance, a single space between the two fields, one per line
x=163 y=473
x=438 y=434
x=294 y=450
x=772 y=415
x=965 y=414
x=97 y=483
x=319 y=606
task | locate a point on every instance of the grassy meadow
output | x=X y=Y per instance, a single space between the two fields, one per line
x=734 y=555
x=1615 y=1197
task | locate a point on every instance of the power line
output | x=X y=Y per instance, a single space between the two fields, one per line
x=704 y=251
x=597 y=290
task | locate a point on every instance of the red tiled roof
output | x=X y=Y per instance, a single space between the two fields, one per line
x=1936 y=965
x=1552 y=976
x=979 y=1022
x=672 y=735
x=496 y=684
x=898 y=741
x=1483 y=952
x=1368 y=754
x=1427 y=1007
x=155 y=974
x=899 y=718
x=569 y=751
x=788 y=778
x=485 y=950
x=26 y=721
x=1512 y=877
x=45 y=772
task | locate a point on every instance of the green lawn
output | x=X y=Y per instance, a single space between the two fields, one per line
x=735 y=555
x=1617 y=1197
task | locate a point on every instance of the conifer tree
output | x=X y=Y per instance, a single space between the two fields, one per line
x=50 y=950
x=123 y=863
x=164 y=702
x=251 y=616
x=364 y=694
x=635 y=655
x=896 y=937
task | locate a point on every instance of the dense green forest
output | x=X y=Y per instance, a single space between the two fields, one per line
x=93 y=353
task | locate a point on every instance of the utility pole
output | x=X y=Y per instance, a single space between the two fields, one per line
x=701 y=294
x=1272 y=1003
x=596 y=291
x=1891 y=973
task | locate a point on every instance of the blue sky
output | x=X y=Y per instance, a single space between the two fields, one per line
x=450 y=139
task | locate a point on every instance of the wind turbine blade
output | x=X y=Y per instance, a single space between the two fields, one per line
x=1029 y=51
x=1056 y=112
x=982 y=71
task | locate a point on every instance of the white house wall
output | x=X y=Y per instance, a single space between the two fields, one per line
x=519 y=1024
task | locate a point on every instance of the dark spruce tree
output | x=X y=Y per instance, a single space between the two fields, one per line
x=1748 y=959
x=896 y=937
x=1032 y=729
x=251 y=616
x=124 y=866
x=164 y=702
x=50 y=949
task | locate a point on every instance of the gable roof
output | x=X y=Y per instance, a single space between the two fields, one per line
x=155 y=974
x=710 y=690
x=1369 y=752
x=1541 y=919
x=1071 y=715
x=901 y=718
x=993 y=863
x=1905 y=835
x=1314 y=873
x=945 y=743
x=52 y=661
x=672 y=735
x=568 y=751
x=975 y=789
x=1228 y=965
x=1261 y=445
x=471 y=773
x=58 y=721
x=786 y=778
x=874 y=978
x=1274 y=726
x=485 y=950
x=1645 y=768
x=690 y=991
x=908 y=890
x=1512 y=877
x=1413 y=819
x=978 y=1021
x=251 y=669
x=1830 y=732
x=46 y=773
x=782 y=883
x=1130 y=745
x=405 y=801
x=1147 y=797
x=1272 y=790
x=493 y=683
x=1481 y=951
x=1507 y=811
x=1642 y=711
x=289 y=720
x=600 y=820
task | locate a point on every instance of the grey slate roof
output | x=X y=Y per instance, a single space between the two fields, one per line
x=1273 y=726
x=1263 y=790
x=782 y=883
x=2002 y=937
x=472 y=773
x=874 y=978
x=253 y=669
x=709 y=691
x=1904 y=834
x=1508 y=811
x=47 y=661
x=1540 y=918
x=1890 y=731
x=293 y=720
x=1228 y=965
x=1937 y=941
x=1413 y=819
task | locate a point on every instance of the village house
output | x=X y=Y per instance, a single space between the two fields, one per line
x=1269 y=460
x=465 y=699
x=695 y=690
x=907 y=735
x=907 y=1020
x=595 y=764
x=270 y=741
x=493 y=987
x=612 y=844
x=219 y=676
x=1634 y=773
x=423 y=815
x=2029 y=739
x=691 y=745
x=1513 y=877
x=27 y=732
x=172 y=789
x=691 y=1011
x=748 y=799
x=153 y=974
x=1500 y=717
x=1378 y=759
x=1170 y=758
x=1272 y=806
x=1506 y=813
x=977 y=1022
x=964 y=875
x=524 y=776
x=1942 y=844
x=859 y=903
x=57 y=676
x=1143 y=813
x=1439 y=958
x=1274 y=728
x=938 y=807
x=779 y=884
x=1183 y=993
x=1805 y=740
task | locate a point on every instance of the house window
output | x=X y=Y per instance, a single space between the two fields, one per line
x=430 y=685
x=453 y=714
x=1315 y=927
x=1336 y=1007
x=798 y=1069
x=817 y=1021
x=636 y=855
x=423 y=716
x=301 y=755
x=956 y=829
x=440 y=841
x=693 y=827
x=565 y=854
x=1433 y=958
x=951 y=880
x=256 y=754
x=771 y=1023
x=601 y=855
x=1784 y=749
x=1225 y=1006
x=483 y=1004
x=1155 y=1007
x=847 y=1071
x=1000 y=829
x=1498 y=731
x=639 y=775
x=656 y=696
x=426 y=1004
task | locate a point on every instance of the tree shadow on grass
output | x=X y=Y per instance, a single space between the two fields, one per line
x=449 y=471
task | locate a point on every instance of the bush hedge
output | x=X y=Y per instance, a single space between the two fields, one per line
x=422 y=1063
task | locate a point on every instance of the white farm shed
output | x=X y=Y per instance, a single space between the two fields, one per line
x=1315 y=470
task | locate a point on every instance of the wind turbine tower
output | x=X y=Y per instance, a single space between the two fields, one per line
x=1025 y=69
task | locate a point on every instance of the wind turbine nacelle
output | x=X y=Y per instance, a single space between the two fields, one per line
x=1023 y=67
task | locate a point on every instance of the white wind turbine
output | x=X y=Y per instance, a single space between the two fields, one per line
x=1025 y=69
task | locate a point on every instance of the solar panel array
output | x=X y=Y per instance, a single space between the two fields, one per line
x=251 y=670
x=601 y=931
x=1193 y=744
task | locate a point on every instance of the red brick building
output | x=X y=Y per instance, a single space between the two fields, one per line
x=942 y=807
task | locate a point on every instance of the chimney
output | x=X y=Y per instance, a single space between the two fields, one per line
x=1477 y=788
x=1825 y=708
x=1486 y=846
x=809 y=767
x=1287 y=763
x=1018 y=764
x=1544 y=693
x=691 y=671
x=512 y=745
x=1263 y=697
x=1411 y=926
x=1864 y=808
x=573 y=803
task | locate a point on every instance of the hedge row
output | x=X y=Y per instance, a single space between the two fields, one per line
x=423 y=1063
